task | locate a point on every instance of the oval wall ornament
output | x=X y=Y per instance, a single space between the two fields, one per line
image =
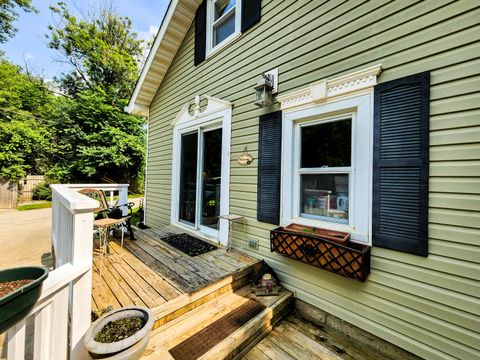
x=245 y=159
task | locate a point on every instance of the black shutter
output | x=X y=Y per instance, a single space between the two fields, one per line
x=401 y=160
x=251 y=13
x=269 y=166
x=200 y=33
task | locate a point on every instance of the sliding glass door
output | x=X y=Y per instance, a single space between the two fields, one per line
x=200 y=178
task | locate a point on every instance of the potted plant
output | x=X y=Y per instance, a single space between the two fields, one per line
x=120 y=334
x=20 y=289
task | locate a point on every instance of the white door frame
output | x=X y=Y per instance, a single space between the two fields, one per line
x=218 y=113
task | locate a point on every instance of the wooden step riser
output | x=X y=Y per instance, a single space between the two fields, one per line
x=178 y=330
x=258 y=335
x=187 y=302
x=252 y=332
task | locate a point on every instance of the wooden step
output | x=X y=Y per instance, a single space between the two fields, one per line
x=184 y=303
x=236 y=344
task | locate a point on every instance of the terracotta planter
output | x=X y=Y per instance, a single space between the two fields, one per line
x=335 y=236
x=348 y=259
x=130 y=348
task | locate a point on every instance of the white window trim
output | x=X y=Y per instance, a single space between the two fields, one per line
x=218 y=113
x=349 y=96
x=210 y=49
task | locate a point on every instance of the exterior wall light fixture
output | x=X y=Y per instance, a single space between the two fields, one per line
x=265 y=88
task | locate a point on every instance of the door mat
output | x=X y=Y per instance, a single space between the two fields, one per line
x=189 y=244
x=200 y=343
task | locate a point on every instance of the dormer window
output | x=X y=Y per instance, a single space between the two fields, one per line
x=223 y=22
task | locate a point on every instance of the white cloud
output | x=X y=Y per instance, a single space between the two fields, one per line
x=27 y=55
x=147 y=35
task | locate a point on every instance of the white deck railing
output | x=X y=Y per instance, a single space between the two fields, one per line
x=62 y=314
x=109 y=190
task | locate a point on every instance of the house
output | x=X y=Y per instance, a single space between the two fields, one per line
x=374 y=130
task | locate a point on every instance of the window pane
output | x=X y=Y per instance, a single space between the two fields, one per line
x=327 y=144
x=211 y=177
x=188 y=177
x=325 y=196
x=222 y=7
x=224 y=29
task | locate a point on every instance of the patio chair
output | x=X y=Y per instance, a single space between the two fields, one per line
x=107 y=211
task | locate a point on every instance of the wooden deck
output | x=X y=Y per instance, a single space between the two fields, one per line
x=297 y=339
x=148 y=272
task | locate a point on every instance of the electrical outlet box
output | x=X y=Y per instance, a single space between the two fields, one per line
x=253 y=244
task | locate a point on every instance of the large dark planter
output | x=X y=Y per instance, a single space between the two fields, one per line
x=17 y=304
x=335 y=254
x=130 y=348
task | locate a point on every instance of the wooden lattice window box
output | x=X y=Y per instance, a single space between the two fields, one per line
x=344 y=257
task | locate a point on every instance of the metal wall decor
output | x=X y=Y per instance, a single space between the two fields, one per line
x=245 y=159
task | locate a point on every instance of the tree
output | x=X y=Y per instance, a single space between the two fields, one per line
x=8 y=15
x=93 y=136
x=94 y=139
x=24 y=140
x=103 y=51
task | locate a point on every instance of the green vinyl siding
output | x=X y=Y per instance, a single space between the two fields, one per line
x=429 y=306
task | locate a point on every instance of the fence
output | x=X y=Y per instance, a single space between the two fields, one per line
x=27 y=185
x=62 y=314
x=8 y=194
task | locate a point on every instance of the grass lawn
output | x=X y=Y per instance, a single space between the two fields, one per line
x=42 y=205
x=130 y=196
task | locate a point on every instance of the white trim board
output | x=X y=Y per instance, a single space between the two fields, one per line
x=326 y=89
x=218 y=113
x=350 y=96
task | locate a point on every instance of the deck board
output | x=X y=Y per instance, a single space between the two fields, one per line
x=149 y=272
x=295 y=338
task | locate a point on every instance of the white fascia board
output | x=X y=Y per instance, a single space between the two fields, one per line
x=151 y=55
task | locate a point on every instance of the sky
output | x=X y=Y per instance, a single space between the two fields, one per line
x=29 y=45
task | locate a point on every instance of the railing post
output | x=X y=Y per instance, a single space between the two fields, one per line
x=123 y=199
x=81 y=290
x=16 y=341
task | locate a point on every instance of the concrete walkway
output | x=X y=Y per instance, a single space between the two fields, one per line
x=25 y=237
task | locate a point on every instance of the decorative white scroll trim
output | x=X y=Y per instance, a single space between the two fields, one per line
x=213 y=105
x=325 y=89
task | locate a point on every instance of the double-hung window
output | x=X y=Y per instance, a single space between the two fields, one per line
x=325 y=167
x=223 y=22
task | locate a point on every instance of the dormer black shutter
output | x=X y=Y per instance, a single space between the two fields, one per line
x=200 y=33
x=269 y=167
x=251 y=13
x=401 y=161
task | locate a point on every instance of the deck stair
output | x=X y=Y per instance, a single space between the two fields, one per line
x=189 y=301
x=178 y=329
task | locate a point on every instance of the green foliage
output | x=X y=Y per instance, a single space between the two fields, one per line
x=42 y=192
x=24 y=140
x=8 y=15
x=83 y=135
x=94 y=138
x=102 y=51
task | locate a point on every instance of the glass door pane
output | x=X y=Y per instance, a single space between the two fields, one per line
x=211 y=176
x=188 y=178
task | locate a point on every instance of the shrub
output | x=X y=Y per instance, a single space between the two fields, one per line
x=42 y=192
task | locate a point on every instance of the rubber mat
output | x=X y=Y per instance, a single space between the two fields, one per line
x=200 y=343
x=188 y=244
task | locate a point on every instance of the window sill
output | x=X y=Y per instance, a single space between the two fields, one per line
x=225 y=44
